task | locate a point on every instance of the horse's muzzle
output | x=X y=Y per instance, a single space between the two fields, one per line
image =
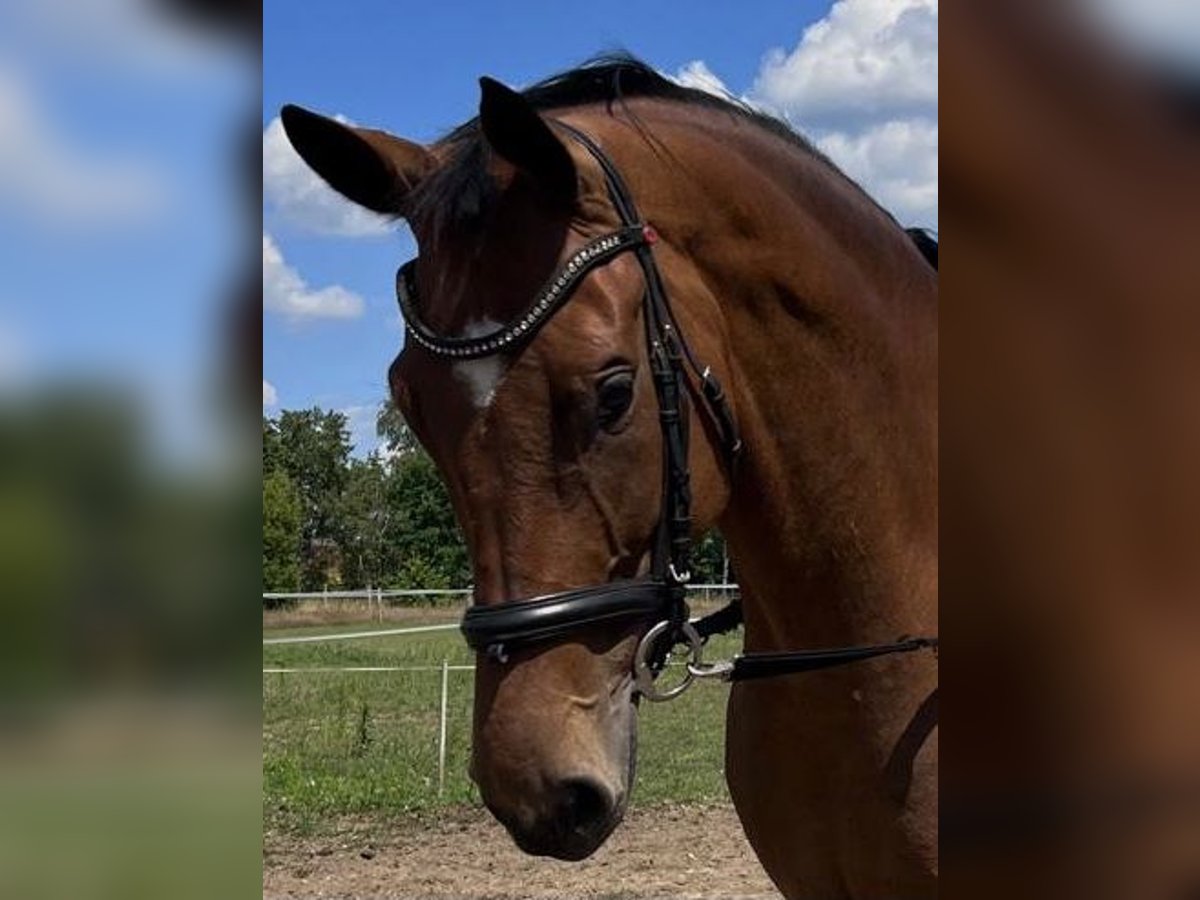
x=581 y=814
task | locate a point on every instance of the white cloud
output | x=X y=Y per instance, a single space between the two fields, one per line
x=284 y=291
x=862 y=84
x=865 y=60
x=45 y=177
x=897 y=162
x=302 y=199
x=697 y=74
x=270 y=395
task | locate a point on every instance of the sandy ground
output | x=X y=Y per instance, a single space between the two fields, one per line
x=677 y=852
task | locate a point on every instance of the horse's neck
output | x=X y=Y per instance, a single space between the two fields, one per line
x=832 y=337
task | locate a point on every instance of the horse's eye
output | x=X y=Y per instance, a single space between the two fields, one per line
x=614 y=393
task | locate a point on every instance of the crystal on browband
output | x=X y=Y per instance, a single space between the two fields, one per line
x=560 y=286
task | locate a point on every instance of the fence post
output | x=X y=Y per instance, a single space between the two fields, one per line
x=442 y=731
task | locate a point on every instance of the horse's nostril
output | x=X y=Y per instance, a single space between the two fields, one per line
x=580 y=814
x=586 y=804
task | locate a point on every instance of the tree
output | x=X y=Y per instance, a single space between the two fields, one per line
x=272 y=448
x=425 y=548
x=390 y=425
x=421 y=531
x=281 y=533
x=363 y=516
x=314 y=451
x=360 y=522
x=708 y=559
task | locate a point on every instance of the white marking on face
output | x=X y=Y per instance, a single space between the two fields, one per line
x=480 y=376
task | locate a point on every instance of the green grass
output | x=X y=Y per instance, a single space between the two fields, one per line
x=345 y=744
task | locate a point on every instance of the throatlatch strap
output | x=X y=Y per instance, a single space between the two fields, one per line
x=752 y=666
x=725 y=619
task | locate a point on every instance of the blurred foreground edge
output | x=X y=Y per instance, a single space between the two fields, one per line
x=241 y=21
x=130 y=741
x=1070 y=186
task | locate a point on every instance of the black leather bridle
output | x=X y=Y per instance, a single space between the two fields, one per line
x=659 y=599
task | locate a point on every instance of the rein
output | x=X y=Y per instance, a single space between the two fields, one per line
x=660 y=597
x=751 y=666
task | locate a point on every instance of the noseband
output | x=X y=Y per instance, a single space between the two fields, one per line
x=657 y=601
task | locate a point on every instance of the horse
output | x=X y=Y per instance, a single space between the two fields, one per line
x=817 y=316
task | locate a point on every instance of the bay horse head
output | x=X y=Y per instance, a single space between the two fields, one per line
x=551 y=442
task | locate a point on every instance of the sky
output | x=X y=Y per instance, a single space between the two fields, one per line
x=859 y=77
x=121 y=228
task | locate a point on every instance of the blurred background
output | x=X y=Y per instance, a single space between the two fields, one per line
x=129 y=693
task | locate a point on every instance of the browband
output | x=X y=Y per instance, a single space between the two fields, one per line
x=521 y=329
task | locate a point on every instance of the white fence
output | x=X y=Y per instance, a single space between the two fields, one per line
x=356 y=635
x=374 y=598
x=365 y=594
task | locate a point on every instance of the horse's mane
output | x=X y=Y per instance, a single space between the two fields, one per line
x=613 y=78
x=926 y=243
x=459 y=193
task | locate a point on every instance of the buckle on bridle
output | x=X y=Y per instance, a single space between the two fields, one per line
x=498 y=653
x=676 y=576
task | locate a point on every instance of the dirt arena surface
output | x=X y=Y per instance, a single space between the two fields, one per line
x=676 y=852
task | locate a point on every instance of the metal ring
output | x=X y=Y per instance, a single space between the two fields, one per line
x=643 y=674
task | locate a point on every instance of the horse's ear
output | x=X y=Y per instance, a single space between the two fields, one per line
x=372 y=168
x=518 y=134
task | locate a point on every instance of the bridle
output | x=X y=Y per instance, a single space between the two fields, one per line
x=660 y=598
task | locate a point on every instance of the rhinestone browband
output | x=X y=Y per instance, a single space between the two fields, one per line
x=552 y=295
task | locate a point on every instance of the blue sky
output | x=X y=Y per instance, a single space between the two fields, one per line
x=121 y=228
x=860 y=77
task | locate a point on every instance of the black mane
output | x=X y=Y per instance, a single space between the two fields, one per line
x=616 y=77
x=926 y=243
x=460 y=193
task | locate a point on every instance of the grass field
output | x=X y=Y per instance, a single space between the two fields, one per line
x=344 y=744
